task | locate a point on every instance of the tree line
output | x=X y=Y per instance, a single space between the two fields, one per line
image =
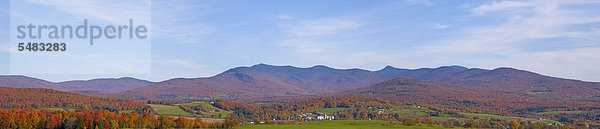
x=37 y=98
x=98 y=119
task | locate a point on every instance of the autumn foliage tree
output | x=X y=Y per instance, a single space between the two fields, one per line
x=101 y=119
x=37 y=98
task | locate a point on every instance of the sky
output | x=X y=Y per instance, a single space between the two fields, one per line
x=206 y=37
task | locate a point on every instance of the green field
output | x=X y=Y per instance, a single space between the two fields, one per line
x=472 y=116
x=339 y=124
x=60 y=109
x=126 y=111
x=220 y=96
x=330 y=111
x=443 y=117
x=487 y=116
x=55 y=109
x=177 y=111
x=169 y=110
x=544 y=121
x=410 y=111
x=559 y=112
x=216 y=114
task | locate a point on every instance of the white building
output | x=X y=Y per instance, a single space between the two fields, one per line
x=325 y=117
x=381 y=111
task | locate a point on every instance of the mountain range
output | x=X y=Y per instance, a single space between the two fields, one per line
x=103 y=85
x=264 y=80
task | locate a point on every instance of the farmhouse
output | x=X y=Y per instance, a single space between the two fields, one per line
x=325 y=117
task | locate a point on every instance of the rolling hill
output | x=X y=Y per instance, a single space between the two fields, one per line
x=472 y=97
x=225 y=84
x=26 y=82
x=47 y=98
x=94 y=86
x=508 y=80
x=105 y=85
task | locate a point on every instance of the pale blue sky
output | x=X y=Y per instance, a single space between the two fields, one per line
x=204 y=38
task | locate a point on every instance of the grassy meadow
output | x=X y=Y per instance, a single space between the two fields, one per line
x=169 y=110
x=339 y=124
